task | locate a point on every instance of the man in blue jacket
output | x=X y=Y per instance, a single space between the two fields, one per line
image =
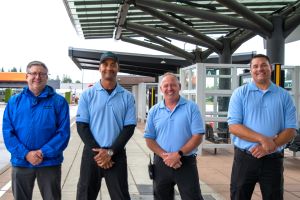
x=36 y=130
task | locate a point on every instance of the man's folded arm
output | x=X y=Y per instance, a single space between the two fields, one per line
x=86 y=135
x=123 y=138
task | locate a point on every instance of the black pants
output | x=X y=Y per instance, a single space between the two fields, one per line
x=186 y=178
x=91 y=175
x=248 y=170
x=48 y=179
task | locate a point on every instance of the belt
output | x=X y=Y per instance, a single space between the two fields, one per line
x=272 y=155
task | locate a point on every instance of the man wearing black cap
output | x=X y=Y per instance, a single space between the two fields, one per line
x=105 y=122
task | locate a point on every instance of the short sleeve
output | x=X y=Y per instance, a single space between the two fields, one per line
x=235 y=109
x=130 y=117
x=150 y=128
x=83 y=109
x=197 y=125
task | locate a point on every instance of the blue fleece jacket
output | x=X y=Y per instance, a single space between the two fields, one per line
x=32 y=123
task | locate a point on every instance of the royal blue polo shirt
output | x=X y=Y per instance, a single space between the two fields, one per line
x=106 y=114
x=265 y=112
x=172 y=129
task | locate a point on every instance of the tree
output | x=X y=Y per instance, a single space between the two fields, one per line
x=78 y=81
x=66 y=79
x=20 y=70
x=2 y=70
x=57 y=78
x=14 y=69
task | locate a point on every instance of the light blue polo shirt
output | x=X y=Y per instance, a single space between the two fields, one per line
x=106 y=114
x=172 y=130
x=267 y=113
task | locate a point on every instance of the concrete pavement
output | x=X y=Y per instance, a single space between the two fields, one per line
x=214 y=171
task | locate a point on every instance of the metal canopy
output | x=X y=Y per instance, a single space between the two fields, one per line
x=140 y=64
x=219 y=26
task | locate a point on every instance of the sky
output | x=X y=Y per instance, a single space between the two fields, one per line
x=42 y=30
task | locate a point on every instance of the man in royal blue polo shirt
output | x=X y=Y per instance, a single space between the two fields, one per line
x=262 y=119
x=105 y=122
x=173 y=132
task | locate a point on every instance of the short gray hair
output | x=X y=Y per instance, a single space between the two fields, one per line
x=170 y=74
x=38 y=63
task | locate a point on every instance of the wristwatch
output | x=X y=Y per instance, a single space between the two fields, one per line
x=180 y=153
x=110 y=152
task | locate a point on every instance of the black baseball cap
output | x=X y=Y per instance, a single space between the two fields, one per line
x=110 y=55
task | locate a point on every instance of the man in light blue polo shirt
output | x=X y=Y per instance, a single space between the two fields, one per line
x=173 y=132
x=105 y=122
x=262 y=119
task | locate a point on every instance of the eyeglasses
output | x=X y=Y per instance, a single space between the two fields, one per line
x=35 y=74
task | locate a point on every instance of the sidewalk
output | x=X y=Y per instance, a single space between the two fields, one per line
x=214 y=172
x=140 y=186
x=4 y=154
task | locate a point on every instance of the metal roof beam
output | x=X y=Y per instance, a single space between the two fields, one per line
x=160 y=70
x=121 y=18
x=147 y=66
x=84 y=3
x=167 y=45
x=150 y=46
x=239 y=40
x=145 y=44
x=160 y=32
x=292 y=22
x=203 y=14
x=242 y=10
x=211 y=43
x=151 y=74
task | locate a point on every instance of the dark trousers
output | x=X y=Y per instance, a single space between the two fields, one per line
x=248 y=170
x=116 y=178
x=186 y=178
x=48 y=179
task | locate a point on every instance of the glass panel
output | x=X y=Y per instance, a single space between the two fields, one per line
x=217 y=133
x=194 y=78
x=186 y=80
x=223 y=103
x=288 y=84
x=210 y=84
x=225 y=71
x=209 y=104
x=216 y=71
x=211 y=71
x=193 y=97
x=224 y=83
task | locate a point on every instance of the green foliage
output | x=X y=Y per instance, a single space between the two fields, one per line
x=2 y=70
x=8 y=93
x=14 y=69
x=68 y=97
x=66 y=79
x=78 y=81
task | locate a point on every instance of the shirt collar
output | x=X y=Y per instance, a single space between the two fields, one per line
x=272 y=87
x=98 y=86
x=180 y=102
x=47 y=91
